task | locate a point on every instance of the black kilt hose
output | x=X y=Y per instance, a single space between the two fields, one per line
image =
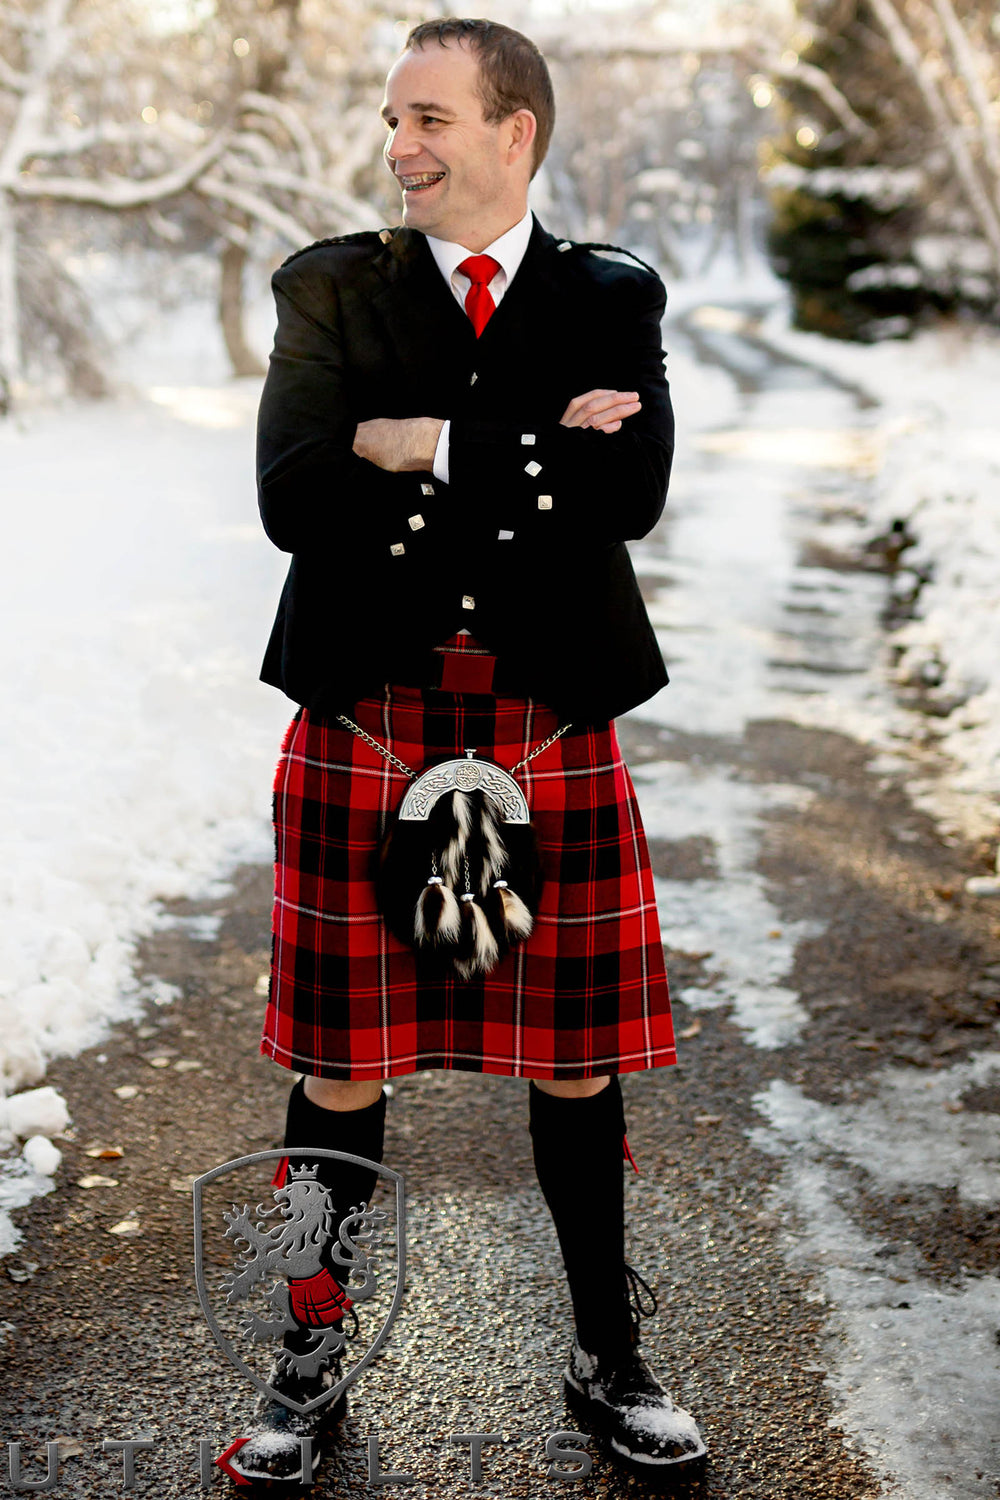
x=585 y=995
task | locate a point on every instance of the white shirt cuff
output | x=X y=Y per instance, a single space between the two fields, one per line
x=441 y=454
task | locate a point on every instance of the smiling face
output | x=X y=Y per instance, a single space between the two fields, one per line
x=462 y=179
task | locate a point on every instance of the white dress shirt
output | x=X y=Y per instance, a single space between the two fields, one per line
x=508 y=252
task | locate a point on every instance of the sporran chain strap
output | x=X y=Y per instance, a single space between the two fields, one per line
x=402 y=766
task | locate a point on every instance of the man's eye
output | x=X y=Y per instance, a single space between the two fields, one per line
x=431 y=120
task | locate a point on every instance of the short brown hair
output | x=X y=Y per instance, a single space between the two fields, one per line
x=512 y=72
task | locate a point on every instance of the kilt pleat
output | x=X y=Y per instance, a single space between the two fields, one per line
x=585 y=995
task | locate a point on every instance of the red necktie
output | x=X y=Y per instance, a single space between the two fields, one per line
x=480 y=306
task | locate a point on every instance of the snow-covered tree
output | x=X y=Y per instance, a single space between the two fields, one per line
x=245 y=123
x=73 y=134
x=886 y=178
x=656 y=143
x=303 y=87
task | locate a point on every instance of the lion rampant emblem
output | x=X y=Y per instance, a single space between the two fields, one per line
x=294 y=1253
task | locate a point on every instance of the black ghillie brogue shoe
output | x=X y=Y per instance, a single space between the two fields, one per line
x=623 y=1403
x=273 y=1452
x=619 y=1399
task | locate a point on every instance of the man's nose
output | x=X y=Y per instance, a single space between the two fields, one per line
x=401 y=143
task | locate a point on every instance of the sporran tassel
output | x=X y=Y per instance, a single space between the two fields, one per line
x=494 y=853
x=450 y=924
x=517 y=919
x=460 y=804
x=485 y=948
x=437 y=918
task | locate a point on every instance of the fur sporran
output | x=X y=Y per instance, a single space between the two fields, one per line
x=459 y=873
x=461 y=882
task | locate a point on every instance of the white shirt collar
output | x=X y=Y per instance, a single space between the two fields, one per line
x=508 y=250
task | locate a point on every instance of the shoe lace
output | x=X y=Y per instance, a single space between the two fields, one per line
x=636 y=1307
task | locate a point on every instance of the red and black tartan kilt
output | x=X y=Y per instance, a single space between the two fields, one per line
x=585 y=995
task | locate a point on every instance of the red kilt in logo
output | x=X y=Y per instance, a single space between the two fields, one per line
x=317 y=1301
x=585 y=995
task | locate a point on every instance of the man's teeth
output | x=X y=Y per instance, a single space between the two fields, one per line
x=423 y=179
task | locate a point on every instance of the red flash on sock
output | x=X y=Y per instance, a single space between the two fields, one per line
x=627 y=1152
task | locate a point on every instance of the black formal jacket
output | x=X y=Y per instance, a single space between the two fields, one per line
x=385 y=566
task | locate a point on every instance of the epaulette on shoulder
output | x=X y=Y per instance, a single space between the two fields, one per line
x=358 y=238
x=608 y=251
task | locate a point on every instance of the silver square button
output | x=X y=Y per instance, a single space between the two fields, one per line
x=397 y=549
x=533 y=468
x=504 y=536
x=416 y=522
x=545 y=502
x=468 y=602
x=427 y=489
x=527 y=438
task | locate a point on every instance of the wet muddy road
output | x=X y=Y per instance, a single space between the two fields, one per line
x=817 y=1197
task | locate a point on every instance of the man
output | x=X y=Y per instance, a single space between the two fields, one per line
x=463 y=422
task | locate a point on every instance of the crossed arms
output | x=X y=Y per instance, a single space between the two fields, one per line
x=604 y=466
x=406 y=445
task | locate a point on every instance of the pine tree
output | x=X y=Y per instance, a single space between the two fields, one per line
x=885 y=178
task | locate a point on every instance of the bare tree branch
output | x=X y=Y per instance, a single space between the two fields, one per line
x=44 y=54
x=234 y=233
x=53 y=40
x=352 y=211
x=73 y=142
x=265 y=104
x=164 y=228
x=257 y=146
x=120 y=192
x=822 y=84
x=952 y=137
x=968 y=70
x=290 y=229
x=11 y=79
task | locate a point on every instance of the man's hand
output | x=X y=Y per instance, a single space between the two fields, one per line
x=401 y=444
x=603 y=410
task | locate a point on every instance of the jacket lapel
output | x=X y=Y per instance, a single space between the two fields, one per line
x=429 y=334
x=531 y=344
x=531 y=303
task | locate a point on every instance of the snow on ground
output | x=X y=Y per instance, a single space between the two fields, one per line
x=755 y=480
x=939 y=471
x=728 y=912
x=914 y=1366
x=932 y=448
x=139 y=746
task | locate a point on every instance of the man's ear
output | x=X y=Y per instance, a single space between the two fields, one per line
x=522 y=127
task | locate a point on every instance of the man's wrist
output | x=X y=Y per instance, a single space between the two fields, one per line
x=422 y=434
